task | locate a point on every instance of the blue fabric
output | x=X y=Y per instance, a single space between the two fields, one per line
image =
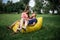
x=31 y=21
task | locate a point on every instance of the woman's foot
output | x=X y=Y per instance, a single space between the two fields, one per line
x=24 y=29
x=8 y=28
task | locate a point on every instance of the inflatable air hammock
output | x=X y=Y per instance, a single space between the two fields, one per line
x=29 y=28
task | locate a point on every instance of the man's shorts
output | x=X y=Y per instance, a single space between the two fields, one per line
x=32 y=21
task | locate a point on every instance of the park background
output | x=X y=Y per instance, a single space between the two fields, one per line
x=10 y=11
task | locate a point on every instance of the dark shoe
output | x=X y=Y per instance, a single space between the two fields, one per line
x=13 y=33
x=18 y=30
x=24 y=29
x=8 y=28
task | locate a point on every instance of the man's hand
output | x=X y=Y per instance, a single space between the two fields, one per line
x=33 y=23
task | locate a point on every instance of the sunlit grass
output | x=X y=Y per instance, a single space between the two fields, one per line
x=49 y=31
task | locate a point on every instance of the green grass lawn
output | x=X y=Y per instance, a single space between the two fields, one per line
x=49 y=31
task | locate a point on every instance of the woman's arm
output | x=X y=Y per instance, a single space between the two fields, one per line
x=33 y=24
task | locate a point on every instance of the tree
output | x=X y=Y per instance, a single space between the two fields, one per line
x=24 y=2
x=13 y=7
x=1 y=5
x=54 y=4
x=38 y=6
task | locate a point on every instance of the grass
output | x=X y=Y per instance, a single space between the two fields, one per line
x=49 y=31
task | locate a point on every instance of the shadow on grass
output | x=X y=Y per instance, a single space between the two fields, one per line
x=4 y=32
x=42 y=34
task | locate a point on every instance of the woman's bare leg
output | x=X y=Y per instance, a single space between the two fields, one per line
x=21 y=24
x=26 y=23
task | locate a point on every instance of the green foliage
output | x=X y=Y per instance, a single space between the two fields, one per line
x=54 y=4
x=0 y=5
x=20 y=6
x=14 y=7
x=38 y=6
x=25 y=2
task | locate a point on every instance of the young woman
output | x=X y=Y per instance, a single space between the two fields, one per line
x=24 y=19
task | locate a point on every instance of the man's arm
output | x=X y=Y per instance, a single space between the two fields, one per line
x=33 y=23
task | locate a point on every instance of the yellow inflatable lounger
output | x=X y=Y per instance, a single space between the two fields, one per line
x=31 y=28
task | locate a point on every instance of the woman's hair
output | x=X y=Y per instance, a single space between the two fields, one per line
x=27 y=10
x=28 y=13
